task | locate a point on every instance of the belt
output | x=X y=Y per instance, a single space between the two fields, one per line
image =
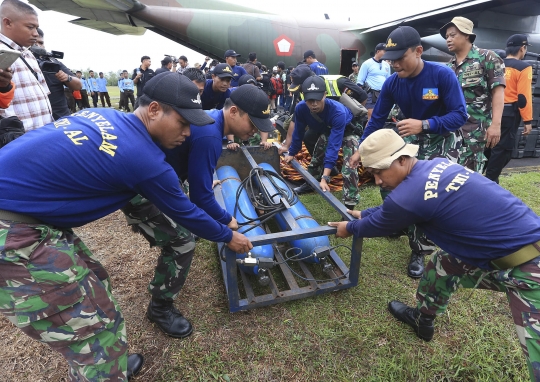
x=13 y=216
x=519 y=257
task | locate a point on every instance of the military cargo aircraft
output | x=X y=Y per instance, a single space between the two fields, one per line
x=212 y=26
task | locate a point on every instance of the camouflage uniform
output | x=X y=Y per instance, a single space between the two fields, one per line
x=350 y=144
x=353 y=77
x=445 y=273
x=480 y=72
x=177 y=246
x=255 y=140
x=56 y=292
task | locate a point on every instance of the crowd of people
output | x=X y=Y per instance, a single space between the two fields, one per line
x=424 y=132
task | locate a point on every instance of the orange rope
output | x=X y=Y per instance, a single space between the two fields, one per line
x=336 y=184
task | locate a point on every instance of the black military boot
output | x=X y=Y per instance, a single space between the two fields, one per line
x=420 y=322
x=350 y=206
x=168 y=318
x=303 y=189
x=416 y=265
x=134 y=365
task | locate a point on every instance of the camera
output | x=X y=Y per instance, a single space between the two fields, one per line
x=173 y=58
x=47 y=60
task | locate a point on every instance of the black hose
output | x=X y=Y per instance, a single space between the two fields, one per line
x=263 y=201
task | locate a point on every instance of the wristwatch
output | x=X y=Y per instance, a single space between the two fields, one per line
x=326 y=178
x=425 y=127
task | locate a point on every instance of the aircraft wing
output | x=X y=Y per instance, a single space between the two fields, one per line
x=114 y=16
x=110 y=16
x=520 y=16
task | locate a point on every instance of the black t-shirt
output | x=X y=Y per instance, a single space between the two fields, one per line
x=146 y=76
x=163 y=69
x=57 y=98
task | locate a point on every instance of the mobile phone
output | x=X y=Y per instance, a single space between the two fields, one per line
x=8 y=57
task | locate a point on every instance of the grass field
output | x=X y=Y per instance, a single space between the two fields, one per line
x=343 y=336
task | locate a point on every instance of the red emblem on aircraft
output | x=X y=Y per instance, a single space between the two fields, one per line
x=283 y=45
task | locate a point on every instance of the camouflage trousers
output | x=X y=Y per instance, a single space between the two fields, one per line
x=471 y=154
x=349 y=174
x=444 y=274
x=430 y=146
x=255 y=140
x=177 y=246
x=56 y=292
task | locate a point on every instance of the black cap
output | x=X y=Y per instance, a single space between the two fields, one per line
x=281 y=65
x=179 y=93
x=309 y=53
x=248 y=79
x=223 y=71
x=231 y=53
x=500 y=52
x=401 y=39
x=252 y=56
x=380 y=46
x=255 y=102
x=298 y=76
x=518 y=40
x=314 y=88
x=355 y=63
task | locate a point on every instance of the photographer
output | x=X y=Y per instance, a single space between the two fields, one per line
x=27 y=77
x=57 y=75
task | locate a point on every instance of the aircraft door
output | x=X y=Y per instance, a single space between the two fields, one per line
x=348 y=56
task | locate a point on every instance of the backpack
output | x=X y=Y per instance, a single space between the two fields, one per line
x=268 y=85
x=278 y=85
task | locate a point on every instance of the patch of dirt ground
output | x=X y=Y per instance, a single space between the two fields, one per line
x=130 y=262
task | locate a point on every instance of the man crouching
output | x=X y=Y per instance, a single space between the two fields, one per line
x=488 y=237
